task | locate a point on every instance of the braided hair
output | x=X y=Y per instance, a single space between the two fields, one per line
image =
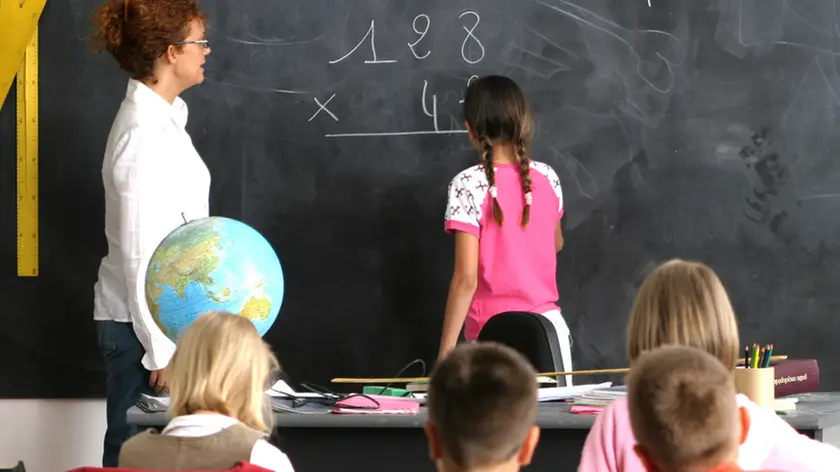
x=496 y=110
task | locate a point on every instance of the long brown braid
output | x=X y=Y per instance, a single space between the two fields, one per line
x=524 y=179
x=496 y=111
x=490 y=173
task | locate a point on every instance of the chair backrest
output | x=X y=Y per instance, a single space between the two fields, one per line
x=16 y=468
x=240 y=467
x=532 y=334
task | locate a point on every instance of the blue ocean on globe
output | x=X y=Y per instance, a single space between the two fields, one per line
x=213 y=264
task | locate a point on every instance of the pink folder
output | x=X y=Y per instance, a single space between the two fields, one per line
x=363 y=405
x=586 y=410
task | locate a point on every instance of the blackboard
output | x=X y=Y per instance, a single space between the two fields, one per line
x=679 y=128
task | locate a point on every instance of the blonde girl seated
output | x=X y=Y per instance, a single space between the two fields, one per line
x=684 y=303
x=220 y=415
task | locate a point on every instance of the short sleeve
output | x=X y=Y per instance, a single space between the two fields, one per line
x=558 y=189
x=462 y=213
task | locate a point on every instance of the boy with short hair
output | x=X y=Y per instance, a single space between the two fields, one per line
x=684 y=413
x=482 y=406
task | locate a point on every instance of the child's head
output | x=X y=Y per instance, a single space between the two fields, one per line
x=497 y=114
x=482 y=408
x=683 y=410
x=221 y=364
x=683 y=303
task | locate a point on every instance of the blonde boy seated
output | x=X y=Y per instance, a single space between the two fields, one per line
x=482 y=408
x=684 y=413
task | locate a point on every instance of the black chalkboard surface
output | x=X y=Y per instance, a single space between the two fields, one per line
x=695 y=129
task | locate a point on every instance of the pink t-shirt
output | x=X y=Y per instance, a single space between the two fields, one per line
x=771 y=443
x=516 y=266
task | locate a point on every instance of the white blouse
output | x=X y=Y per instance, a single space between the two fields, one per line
x=154 y=180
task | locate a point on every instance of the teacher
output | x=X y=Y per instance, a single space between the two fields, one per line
x=154 y=180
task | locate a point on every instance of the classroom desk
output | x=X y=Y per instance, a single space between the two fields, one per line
x=322 y=442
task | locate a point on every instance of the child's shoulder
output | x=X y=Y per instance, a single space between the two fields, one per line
x=470 y=177
x=544 y=169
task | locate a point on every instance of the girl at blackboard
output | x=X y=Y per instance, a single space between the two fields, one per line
x=685 y=303
x=153 y=179
x=505 y=213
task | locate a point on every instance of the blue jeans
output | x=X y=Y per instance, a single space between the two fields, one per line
x=127 y=379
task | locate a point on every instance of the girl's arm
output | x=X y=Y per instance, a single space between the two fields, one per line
x=558 y=236
x=461 y=289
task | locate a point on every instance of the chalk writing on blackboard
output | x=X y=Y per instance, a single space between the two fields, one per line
x=471 y=36
x=323 y=107
x=472 y=52
x=421 y=33
x=470 y=39
x=430 y=113
x=469 y=81
x=371 y=32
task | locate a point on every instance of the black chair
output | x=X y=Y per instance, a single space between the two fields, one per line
x=531 y=334
x=18 y=468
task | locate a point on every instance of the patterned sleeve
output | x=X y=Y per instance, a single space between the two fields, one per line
x=558 y=189
x=462 y=213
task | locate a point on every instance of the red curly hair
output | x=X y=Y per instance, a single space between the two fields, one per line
x=138 y=32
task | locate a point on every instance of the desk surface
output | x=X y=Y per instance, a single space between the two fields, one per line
x=815 y=411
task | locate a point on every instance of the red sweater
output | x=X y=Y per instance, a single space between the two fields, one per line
x=241 y=467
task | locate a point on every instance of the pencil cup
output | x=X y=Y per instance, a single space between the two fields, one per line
x=758 y=385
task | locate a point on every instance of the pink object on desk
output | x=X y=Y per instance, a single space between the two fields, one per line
x=586 y=410
x=364 y=405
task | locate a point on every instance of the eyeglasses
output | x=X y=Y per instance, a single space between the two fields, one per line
x=201 y=42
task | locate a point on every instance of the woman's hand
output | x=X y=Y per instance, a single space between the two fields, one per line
x=157 y=381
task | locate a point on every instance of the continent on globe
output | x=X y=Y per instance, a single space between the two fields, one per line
x=213 y=264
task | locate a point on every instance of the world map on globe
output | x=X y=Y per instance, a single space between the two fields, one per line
x=213 y=264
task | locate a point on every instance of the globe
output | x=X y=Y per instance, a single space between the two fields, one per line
x=213 y=264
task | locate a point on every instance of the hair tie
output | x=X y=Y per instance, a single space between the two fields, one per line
x=528 y=198
x=493 y=191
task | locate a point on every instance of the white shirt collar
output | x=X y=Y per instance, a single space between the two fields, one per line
x=198 y=424
x=145 y=97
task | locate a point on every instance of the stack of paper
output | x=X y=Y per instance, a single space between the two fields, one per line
x=288 y=405
x=549 y=394
x=150 y=404
x=594 y=401
x=282 y=390
x=785 y=404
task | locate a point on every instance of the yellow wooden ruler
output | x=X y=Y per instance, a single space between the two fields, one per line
x=27 y=161
x=18 y=19
x=19 y=58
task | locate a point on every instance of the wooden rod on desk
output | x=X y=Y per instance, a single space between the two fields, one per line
x=363 y=380
x=625 y=369
x=426 y=379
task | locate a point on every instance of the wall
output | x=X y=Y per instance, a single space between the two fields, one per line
x=52 y=435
